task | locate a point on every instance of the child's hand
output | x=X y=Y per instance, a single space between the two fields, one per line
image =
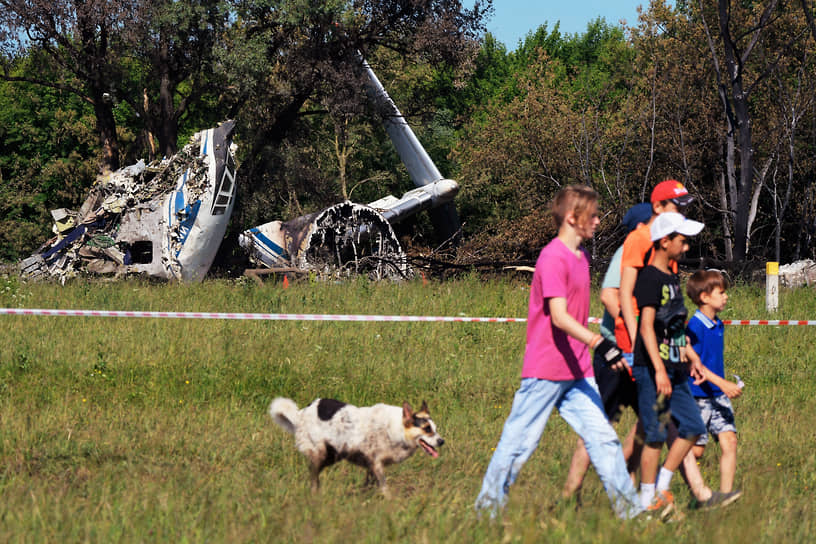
x=731 y=389
x=663 y=383
x=696 y=372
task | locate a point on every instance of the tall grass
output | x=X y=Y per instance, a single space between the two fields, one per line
x=153 y=430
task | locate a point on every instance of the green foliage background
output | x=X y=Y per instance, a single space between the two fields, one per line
x=619 y=109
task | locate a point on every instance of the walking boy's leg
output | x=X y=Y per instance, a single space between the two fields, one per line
x=632 y=448
x=691 y=471
x=532 y=406
x=581 y=407
x=578 y=468
x=686 y=415
x=718 y=414
x=728 y=460
x=694 y=478
x=654 y=432
x=677 y=452
x=650 y=462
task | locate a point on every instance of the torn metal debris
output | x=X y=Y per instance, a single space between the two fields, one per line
x=165 y=220
x=798 y=274
x=350 y=238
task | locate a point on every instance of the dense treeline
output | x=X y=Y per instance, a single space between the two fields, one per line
x=719 y=95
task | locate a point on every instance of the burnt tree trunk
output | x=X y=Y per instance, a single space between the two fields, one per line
x=106 y=127
x=168 y=120
x=736 y=103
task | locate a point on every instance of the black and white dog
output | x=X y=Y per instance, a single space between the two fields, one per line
x=372 y=437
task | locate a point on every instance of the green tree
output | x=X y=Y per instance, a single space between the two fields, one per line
x=48 y=154
x=76 y=41
x=169 y=52
x=564 y=117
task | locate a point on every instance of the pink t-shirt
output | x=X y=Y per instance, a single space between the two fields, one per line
x=551 y=354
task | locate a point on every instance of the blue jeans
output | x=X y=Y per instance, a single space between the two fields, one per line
x=579 y=404
x=681 y=406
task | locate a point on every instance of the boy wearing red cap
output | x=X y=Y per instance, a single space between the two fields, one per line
x=667 y=196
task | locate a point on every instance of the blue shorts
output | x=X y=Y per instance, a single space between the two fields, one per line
x=680 y=406
x=718 y=416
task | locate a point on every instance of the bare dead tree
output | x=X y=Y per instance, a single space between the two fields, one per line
x=735 y=94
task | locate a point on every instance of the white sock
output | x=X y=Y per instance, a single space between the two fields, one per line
x=647 y=493
x=664 y=479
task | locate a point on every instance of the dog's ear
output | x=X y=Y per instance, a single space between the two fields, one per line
x=407 y=413
x=424 y=407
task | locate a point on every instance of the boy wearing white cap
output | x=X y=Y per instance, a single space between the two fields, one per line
x=660 y=371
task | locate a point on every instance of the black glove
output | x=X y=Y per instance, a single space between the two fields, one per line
x=610 y=351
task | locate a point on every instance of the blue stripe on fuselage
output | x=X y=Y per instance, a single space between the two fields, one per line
x=178 y=201
x=267 y=242
x=186 y=226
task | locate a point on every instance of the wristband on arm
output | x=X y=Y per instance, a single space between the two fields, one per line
x=610 y=352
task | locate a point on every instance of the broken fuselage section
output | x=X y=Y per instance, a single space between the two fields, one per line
x=165 y=220
x=353 y=239
x=347 y=238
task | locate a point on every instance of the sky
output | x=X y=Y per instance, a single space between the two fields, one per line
x=512 y=19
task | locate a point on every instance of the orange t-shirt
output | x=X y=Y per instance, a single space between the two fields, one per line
x=637 y=253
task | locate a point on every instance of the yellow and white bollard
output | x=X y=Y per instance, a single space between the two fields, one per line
x=771 y=286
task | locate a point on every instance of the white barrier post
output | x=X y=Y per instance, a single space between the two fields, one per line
x=771 y=286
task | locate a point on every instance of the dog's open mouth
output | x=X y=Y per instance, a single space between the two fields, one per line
x=430 y=450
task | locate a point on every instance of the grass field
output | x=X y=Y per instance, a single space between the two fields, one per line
x=155 y=430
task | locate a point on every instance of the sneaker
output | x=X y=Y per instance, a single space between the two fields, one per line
x=662 y=506
x=719 y=499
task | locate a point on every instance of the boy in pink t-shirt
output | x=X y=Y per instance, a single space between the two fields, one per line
x=557 y=370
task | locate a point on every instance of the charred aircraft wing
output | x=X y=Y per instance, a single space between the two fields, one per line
x=421 y=168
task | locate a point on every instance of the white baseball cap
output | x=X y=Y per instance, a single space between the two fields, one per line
x=669 y=222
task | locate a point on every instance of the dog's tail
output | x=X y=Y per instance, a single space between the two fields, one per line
x=284 y=412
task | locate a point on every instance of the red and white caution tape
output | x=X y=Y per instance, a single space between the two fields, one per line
x=333 y=317
x=267 y=317
x=775 y=322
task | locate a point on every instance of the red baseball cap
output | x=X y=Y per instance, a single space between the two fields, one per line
x=671 y=190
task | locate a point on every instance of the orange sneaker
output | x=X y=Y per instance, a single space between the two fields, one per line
x=662 y=505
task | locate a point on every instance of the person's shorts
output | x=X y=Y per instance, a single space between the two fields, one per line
x=718 y=416
x=679 y=407
x=617 y=388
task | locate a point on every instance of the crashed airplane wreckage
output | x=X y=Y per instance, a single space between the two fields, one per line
x=165 y=220
x=349 y=238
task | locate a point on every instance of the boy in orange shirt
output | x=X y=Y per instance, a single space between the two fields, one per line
x=667 y=196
